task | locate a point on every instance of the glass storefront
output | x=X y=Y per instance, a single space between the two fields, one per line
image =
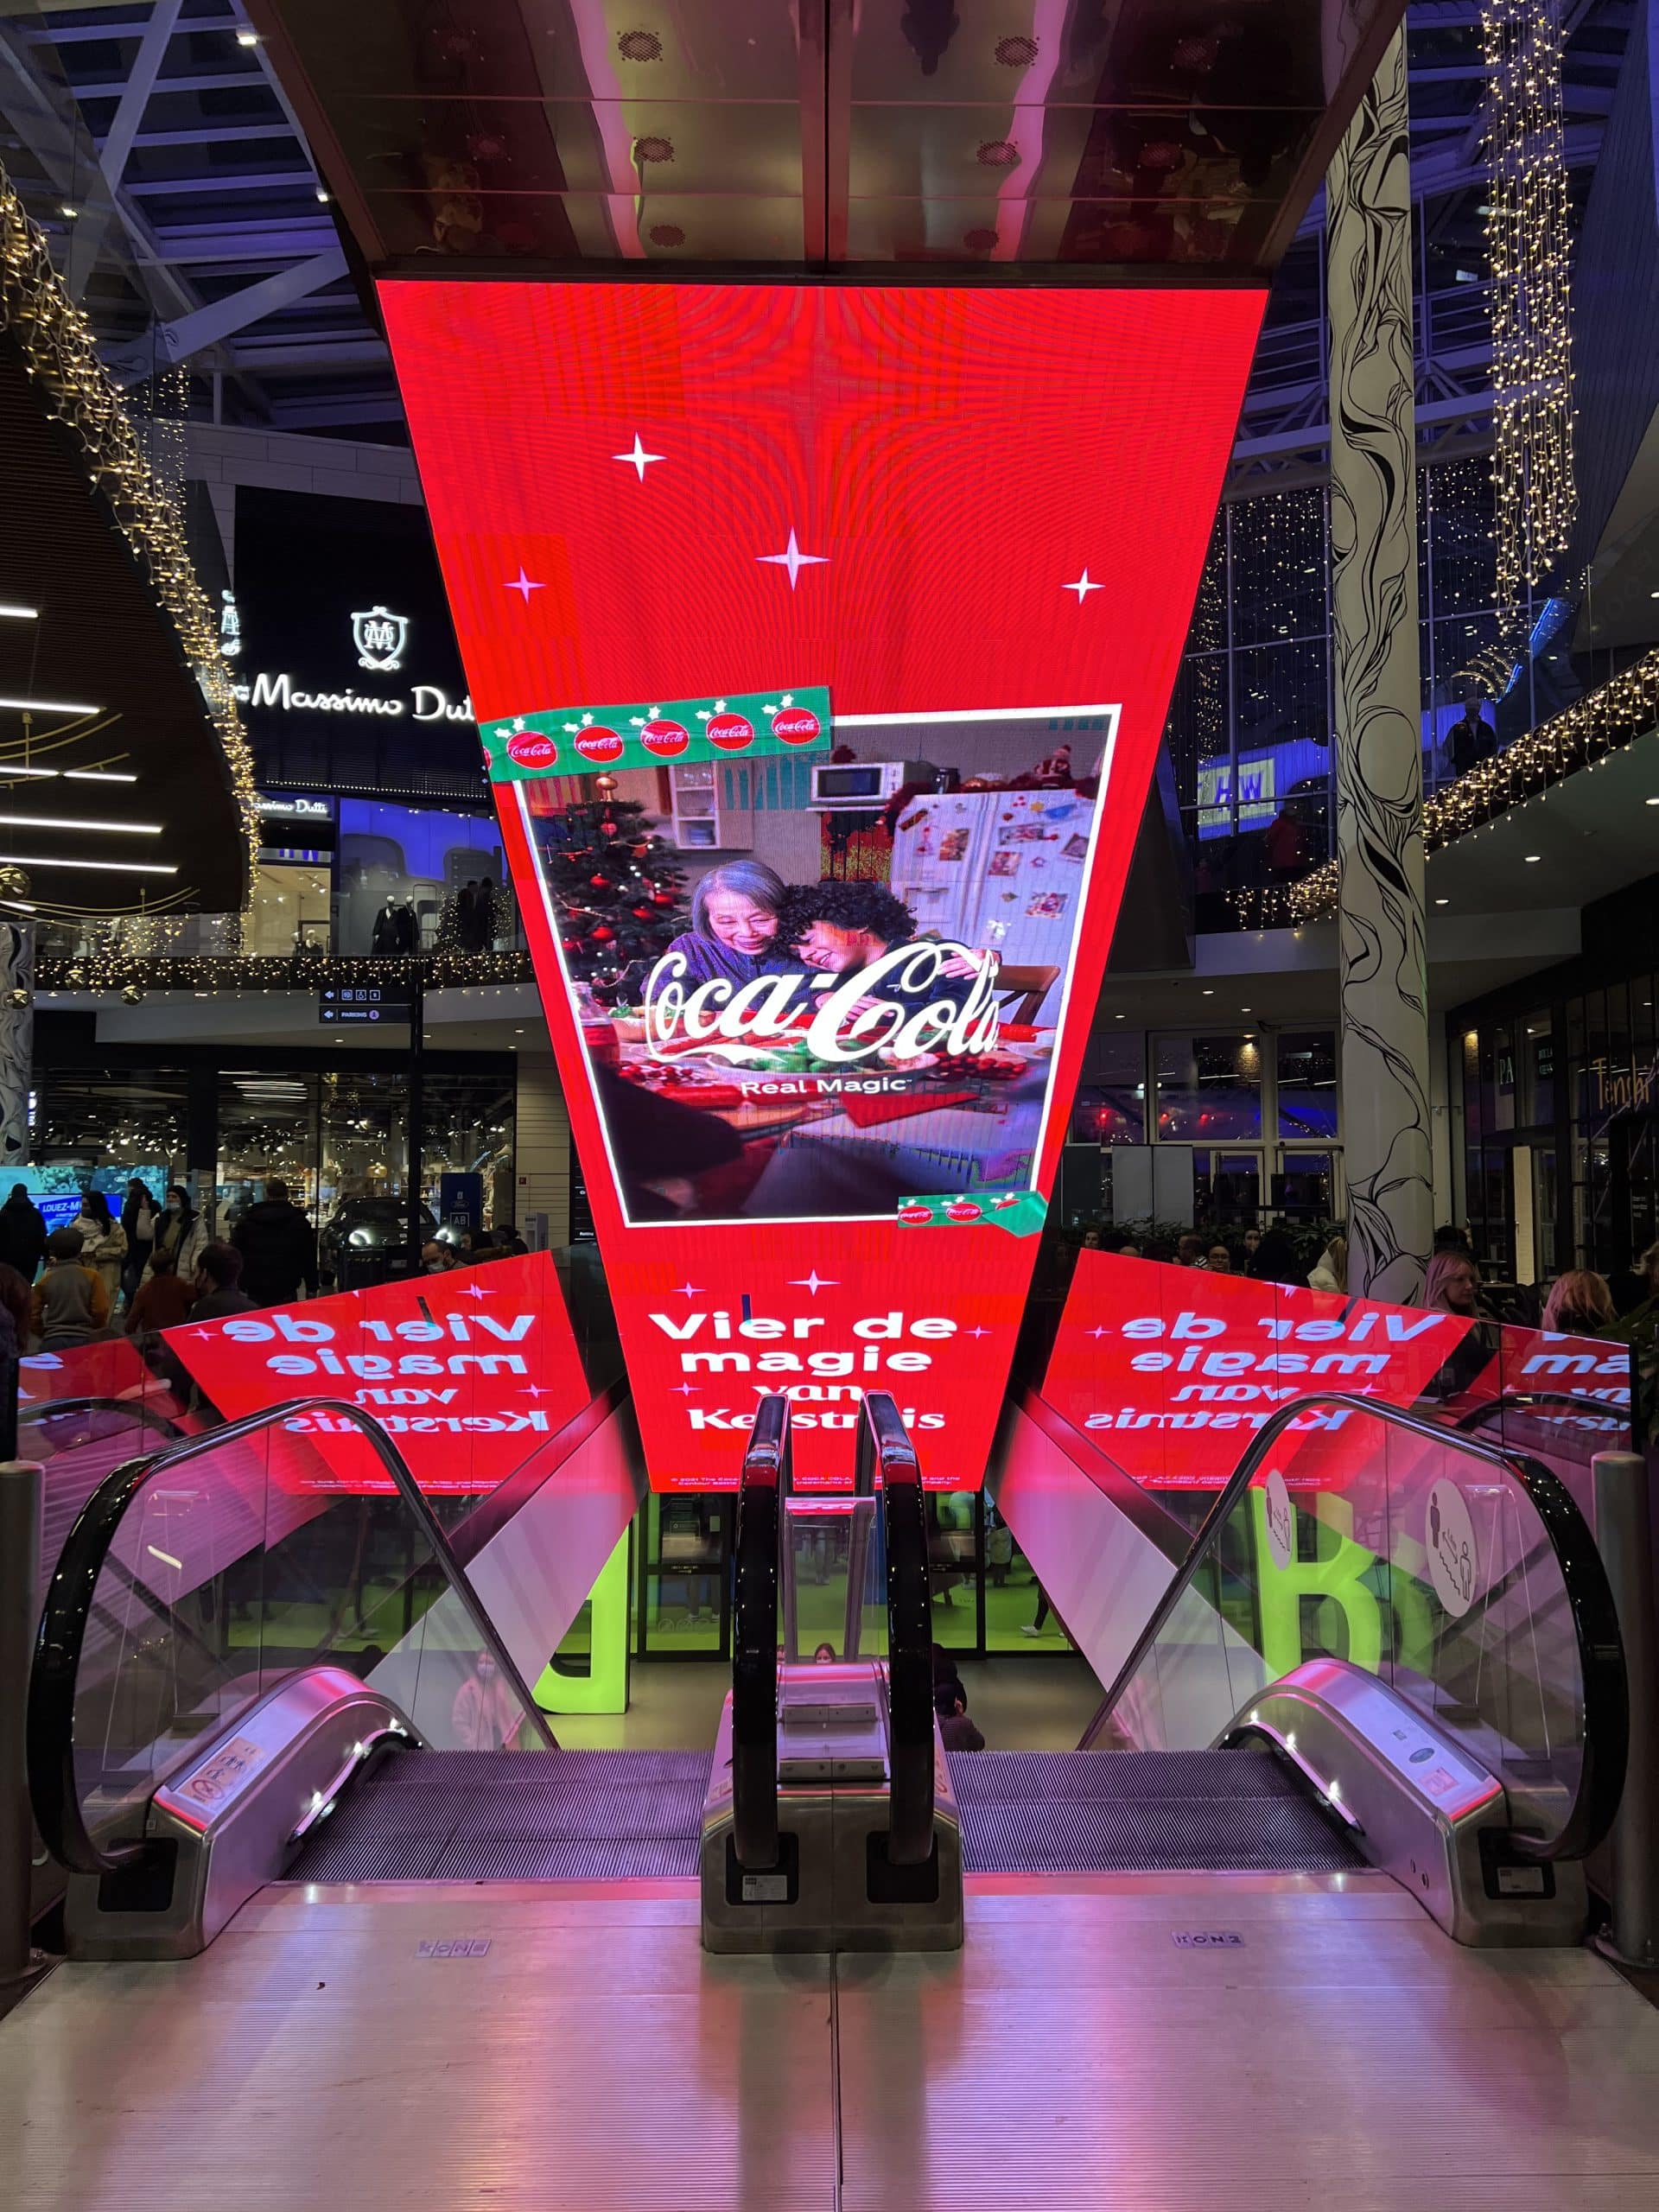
x=1555 y=1083
x=1255 y=1109
x=330 y=1133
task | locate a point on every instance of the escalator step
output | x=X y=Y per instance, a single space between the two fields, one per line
x=1120 y=1812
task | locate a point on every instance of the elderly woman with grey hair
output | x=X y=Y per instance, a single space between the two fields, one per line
x=734 y=933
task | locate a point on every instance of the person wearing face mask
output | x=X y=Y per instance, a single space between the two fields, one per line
x=486 y=1715
x=181 y=1231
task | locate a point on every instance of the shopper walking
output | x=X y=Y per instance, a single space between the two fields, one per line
x=103 y=1243
x=278 y=1247
x=22 y=1233
x=139 y=1217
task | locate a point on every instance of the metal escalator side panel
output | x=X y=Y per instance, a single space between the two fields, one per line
x=229 y=1821
x=754 y=1636
x=1418 y=1804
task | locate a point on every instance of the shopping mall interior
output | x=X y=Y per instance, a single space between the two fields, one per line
x=829 y=1094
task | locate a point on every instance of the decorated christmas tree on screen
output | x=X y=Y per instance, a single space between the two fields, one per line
x=618 y=891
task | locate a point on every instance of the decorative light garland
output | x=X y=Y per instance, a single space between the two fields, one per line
x=1528 y=242
x=113 y=969
x=1624 y=709
x=59 y=354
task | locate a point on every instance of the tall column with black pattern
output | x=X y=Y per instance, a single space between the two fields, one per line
x=1384 y=996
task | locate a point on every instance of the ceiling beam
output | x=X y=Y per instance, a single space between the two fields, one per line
x=134 y=96
x=222 y=319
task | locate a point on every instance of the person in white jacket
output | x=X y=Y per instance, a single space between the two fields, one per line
x=103 y=1241
x=1332 y=1272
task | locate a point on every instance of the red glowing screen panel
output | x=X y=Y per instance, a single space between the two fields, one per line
x=1171 y=1370
x=472 y=1373
x=974 y=520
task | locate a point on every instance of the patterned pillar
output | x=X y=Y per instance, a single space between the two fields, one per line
x=1379 y=760
x=16 y=1038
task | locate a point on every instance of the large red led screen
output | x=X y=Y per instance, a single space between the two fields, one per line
x=870 y=600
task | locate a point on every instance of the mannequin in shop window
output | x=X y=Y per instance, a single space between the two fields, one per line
x=396 y=930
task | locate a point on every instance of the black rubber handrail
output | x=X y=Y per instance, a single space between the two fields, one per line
x=41 y=1409
x=910 y=1631
x=764 y=1480
x=1590 y=1603
x=51 y=1720
x=1518 y=1400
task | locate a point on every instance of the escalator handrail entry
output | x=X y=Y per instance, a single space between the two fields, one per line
x=910 y=1634
x=762 y=1485
x=1590 y=1603
x=50 y=1725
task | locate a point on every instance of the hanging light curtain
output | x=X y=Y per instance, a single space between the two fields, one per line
x=1527 y=238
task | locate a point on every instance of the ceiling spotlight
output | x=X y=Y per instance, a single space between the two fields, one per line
x=19 y=614
x=1442 y=902
x=247 y=38
x=68 y=212
x=1208 y=992
x=323 y=197
x=1654 y=801
x=1532 y=858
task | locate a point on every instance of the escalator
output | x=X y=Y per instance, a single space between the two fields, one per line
x=1388 y=1645
x=231 y=1641
x=212 y=1712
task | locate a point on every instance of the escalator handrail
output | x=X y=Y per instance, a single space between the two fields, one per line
x=50 y=1728
x=762 y=1485
x=41 y=1409
x=909 y=1633
x=1518 y=1400
x=1590 y=1603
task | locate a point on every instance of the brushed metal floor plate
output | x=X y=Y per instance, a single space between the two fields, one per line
x=1071 y=2057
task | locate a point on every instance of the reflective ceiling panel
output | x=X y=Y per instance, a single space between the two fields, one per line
x=1124 y=135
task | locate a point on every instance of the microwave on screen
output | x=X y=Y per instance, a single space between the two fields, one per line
x=865 y=783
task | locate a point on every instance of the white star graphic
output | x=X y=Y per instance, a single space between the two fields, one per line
x=639 y=458
x=794 y=560
x=687 y=1289
x=533 y=1390
x=523 y=585
x=1100 y=1333
x=975 y=1332
x=1083 y=586
x=473 y=1290
x=684 y=1391
x=814 y=1283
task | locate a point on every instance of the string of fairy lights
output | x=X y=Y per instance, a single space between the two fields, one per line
x=113 y=968
x=1617 y=712
x=1527 y=234
x=59 y=354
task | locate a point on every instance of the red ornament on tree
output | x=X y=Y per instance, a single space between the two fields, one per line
x=603 y=935
x=599 y=882
x=664 y=898
x=642 y=914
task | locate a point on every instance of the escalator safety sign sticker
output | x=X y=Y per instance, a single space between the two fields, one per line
x=212 y=1783
x=1207 y=1939
x=453 y=1946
